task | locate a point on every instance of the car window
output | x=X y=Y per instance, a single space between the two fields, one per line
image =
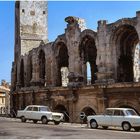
x=118 y=113
x=122 y=113
x=131 y=113
x=35 y=108
x=44 y=108
x=109 y=112
x=29 y=109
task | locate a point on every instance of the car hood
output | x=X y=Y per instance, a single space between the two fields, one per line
x=136 y=117
x=56 y=113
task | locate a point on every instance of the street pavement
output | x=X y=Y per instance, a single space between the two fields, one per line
x=11 y=128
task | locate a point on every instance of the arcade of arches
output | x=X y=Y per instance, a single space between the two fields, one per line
x=57 y=73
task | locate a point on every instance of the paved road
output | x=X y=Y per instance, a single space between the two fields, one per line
x=14 y=129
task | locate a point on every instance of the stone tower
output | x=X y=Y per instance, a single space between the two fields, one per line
x=30 y=26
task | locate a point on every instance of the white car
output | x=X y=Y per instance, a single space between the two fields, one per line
x=119 y=117
x=39 y=113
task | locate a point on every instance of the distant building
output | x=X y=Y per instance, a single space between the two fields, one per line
x=4 y=98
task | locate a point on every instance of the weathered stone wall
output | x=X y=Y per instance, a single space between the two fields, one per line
x=96 y=98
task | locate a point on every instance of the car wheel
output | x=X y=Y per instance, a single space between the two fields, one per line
x=44 y=120
x=93 y=124
x=34 y=121
x=105 y=127
x=126 y=126
x=23 y=119
x=137 y=129
x=56 y=122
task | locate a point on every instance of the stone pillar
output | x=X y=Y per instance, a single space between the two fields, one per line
x=25 y=71
x=84 y=71
x=13 y=77
x=35 y=69
x=18 y=84
x=104 y=74
x=138 y=31
x=73 y=38
x=54 y=71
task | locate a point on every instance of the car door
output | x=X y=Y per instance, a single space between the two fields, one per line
x=106 y=119
x=28 y=112
x=35 y=112
x=117 y=118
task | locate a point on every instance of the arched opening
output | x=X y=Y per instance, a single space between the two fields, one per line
x=136 y=67
x=88 y=73
x=127 y=106
x=61 y=108
x=62 y=64
x=88 y=111
x=42 y=67
x=22 y=73
x=125 y=40
x=64 y=76
x=88 y=53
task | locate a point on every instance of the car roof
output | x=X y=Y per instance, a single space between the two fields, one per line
x=118 y=108
x=37 y=106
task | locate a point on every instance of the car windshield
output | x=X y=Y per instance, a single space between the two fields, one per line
x=131 y=113
x=45 y=109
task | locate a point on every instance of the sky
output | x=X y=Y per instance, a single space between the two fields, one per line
x=91 y=11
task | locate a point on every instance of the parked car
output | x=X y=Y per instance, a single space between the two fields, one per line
x=39 y=113
x=121 y=117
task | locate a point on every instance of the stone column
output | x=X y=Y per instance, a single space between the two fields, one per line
x=138 y=31
x=73 y=38
x=35 y=69
x=13 y=76
x=18 y=84
x=25 y=71
x=104 y=73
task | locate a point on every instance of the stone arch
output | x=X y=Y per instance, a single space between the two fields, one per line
x=88 y=111
x=90 y=33
x=88 y=53
x=22 y=73
x=42 y=66
x=62 y=61
x=61 y=108
x=124 y=104
x=124 y=39
x=60 y=38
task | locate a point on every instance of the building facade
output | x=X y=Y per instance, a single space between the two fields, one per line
x=4 y=99
x=55 y=73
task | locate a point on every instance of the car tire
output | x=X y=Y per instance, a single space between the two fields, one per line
x=126 y=126
x=44 y=120
x=93 y=124
x=137 y=129
x=56 y=122
x=34 y=121
x=105 y=127
x=23 y=119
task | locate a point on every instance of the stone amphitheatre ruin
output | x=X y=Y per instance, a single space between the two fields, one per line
x=55 y=73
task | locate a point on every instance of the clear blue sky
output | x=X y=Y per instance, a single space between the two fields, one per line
x=57 y=11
